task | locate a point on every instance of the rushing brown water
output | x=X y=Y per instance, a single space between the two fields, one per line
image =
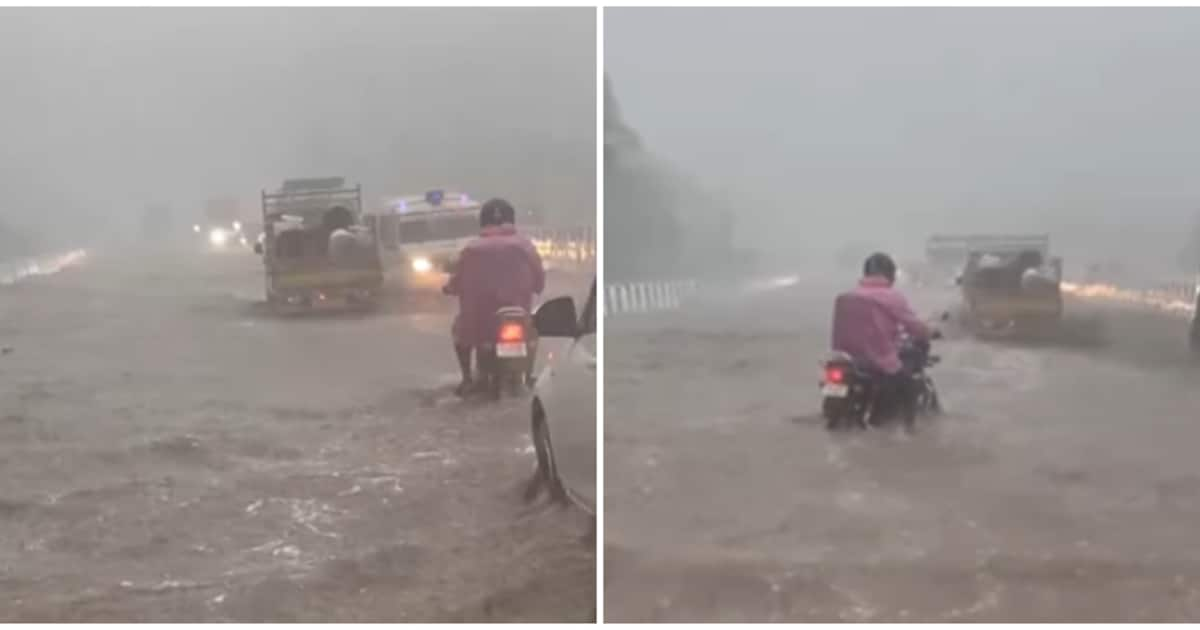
x=169 y=452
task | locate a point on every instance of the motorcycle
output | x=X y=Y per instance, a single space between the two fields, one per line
x=853 y=395
x=507 y=364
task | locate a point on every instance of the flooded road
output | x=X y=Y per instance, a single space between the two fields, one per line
x=170 y=452
x=1062 y=485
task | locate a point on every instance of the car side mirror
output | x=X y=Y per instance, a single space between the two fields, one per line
x=258 y=249
x=557 y=318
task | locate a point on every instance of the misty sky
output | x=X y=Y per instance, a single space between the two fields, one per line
x=107 y=110
x=1027 y=119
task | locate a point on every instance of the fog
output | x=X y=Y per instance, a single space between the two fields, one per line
x=108 y=111
x=821 y=127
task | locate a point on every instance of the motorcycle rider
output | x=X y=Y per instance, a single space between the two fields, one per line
x=499 y=268
x=866 y=321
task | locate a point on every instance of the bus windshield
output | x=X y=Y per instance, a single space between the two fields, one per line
x=438 y=228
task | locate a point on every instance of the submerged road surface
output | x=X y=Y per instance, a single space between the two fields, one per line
x=170 y=452
x=1062 y=485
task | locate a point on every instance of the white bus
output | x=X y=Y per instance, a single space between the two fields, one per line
x=424 y=234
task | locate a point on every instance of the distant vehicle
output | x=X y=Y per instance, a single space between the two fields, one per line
x=564 y=404
x=953 y=250
x=948 y=253
x=423 y=235
x=221 y=226
x=315 y=251
x=1003 y=292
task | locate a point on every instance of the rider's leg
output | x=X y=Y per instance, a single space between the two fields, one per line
x=463 y=354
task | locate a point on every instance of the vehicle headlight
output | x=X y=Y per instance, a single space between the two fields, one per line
x=422 y=265
x=218 y=237
x=196 y=229
x=237 y=226
x=245 y=243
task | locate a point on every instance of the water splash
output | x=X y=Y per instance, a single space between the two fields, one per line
x=14 y=272
x=1175 y=300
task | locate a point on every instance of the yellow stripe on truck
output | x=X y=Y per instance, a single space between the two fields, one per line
x=1019 y=306
x=318 y=279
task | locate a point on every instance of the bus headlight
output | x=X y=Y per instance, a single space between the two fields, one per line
x=422 y=265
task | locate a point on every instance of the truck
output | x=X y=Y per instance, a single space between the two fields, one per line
x=1009 y=284
x=316 y=252
x=950 y=251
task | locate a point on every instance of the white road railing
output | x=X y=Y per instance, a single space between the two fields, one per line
x=647 y=297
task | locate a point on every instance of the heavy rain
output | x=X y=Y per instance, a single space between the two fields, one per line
x=1057 y=482
x=186 y=435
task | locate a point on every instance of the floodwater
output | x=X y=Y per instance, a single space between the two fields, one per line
x=1061 y=485
x=171 y=452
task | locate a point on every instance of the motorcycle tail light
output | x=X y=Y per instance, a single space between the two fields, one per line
x=512 y=332
x=834 y=375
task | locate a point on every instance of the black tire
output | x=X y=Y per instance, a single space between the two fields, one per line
x=840 y=415
x=547 y=467
x=488 y=368
x=836 y=414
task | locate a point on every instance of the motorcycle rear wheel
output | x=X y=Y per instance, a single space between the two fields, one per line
x=832 y=410
x=840 y=415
